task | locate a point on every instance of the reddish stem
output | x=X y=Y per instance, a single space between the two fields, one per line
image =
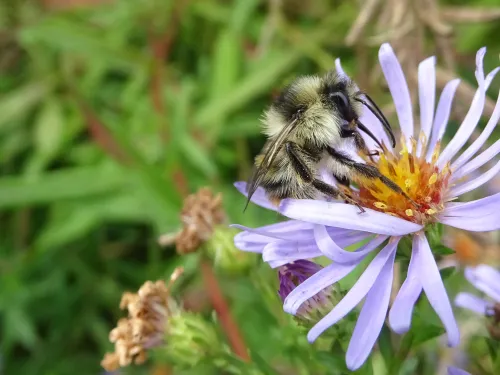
x=221 y=307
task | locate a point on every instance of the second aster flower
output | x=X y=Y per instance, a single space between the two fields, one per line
x=431 y=174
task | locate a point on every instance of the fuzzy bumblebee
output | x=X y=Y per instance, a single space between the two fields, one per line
x=306 y=126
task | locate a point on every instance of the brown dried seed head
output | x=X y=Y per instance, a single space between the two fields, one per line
x=110 y=362
x=148 y=312
x=201 y=213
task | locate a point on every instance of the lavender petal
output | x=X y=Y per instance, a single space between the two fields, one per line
x=467 y=186
x=399 y=89
x=315 y=284
x=367 y=118
x=484 y=277
x=259 y=197
x=434 y=288
x=469 y=123
x=255 y=234
x=442 y=115
x=474 y=224
x=456 y=371
x=480 y=141
x=471 y=302
x=476 y=209
x=477 y=162
x=371 y=319
x=427 y=97
x=346 y=216
x=356 y=293
x=290 y=251
x=330 y=249
x=402 y=307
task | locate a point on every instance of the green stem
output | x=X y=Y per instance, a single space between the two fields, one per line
x=401 y=354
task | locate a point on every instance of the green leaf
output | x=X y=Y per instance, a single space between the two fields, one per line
x=259 y=81
x=447 y=272
x=68 y=35
x=385 y=346
x=48 y=129
x=18 y=328
x=262 y=364
x=20 y=102
x=198 y=157
x=442 y=250
x=423 y=334
x=493 y=347
x=71 y=183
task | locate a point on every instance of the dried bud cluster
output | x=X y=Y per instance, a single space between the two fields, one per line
x=201 y=213
x=148 y=312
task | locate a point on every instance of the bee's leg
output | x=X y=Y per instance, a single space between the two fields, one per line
x=343 y=180
x=348 y=131
x=368 y=171
x=293 y=151
x=331 y=191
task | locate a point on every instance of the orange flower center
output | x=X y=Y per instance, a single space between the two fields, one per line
x=421 y=180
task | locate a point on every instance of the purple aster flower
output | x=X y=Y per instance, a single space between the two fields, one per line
x=487 y=280
x=431 y=174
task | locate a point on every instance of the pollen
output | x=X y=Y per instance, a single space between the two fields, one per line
x=380 y=205
x=424 y=184
x=433 y=179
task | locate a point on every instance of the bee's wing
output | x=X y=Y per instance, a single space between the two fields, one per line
x=261 y=170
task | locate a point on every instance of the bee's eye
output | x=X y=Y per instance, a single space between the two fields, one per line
x=339 y=99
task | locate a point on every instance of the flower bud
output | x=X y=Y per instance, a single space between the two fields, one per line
x=190 y=338
x=226 y=257
x=311 y=311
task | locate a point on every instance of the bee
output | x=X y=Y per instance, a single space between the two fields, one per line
x=306 y=126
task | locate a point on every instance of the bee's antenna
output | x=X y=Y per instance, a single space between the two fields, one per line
x=378 y=114
x=362 y=127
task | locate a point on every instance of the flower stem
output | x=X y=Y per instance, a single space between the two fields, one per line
x=221 y=307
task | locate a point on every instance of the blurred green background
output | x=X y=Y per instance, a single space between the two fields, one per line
x=110 y=113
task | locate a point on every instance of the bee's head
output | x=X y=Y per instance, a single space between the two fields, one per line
x=339 y=94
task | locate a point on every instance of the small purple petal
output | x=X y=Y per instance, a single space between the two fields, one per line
x=434 y=287
x=427 y=97
x=480 y=141
x=367 y=118
x=290 y=251
x=371 y=319
x=467 y=186
x=329 y=248
x=402 y=307
x=484 y=278
x=456 y=371
x=477 y=162
x=471 y=302
x=251 y=247
x=346 y=216
x=356 y=293
x=316 y=283
x=474 y=224
x=259 y=232
x=338 y=68
x=442 y=115
x=476 y=209
x=469 y=123
x=259 y=197
x=399 y=89
x=479 y=73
